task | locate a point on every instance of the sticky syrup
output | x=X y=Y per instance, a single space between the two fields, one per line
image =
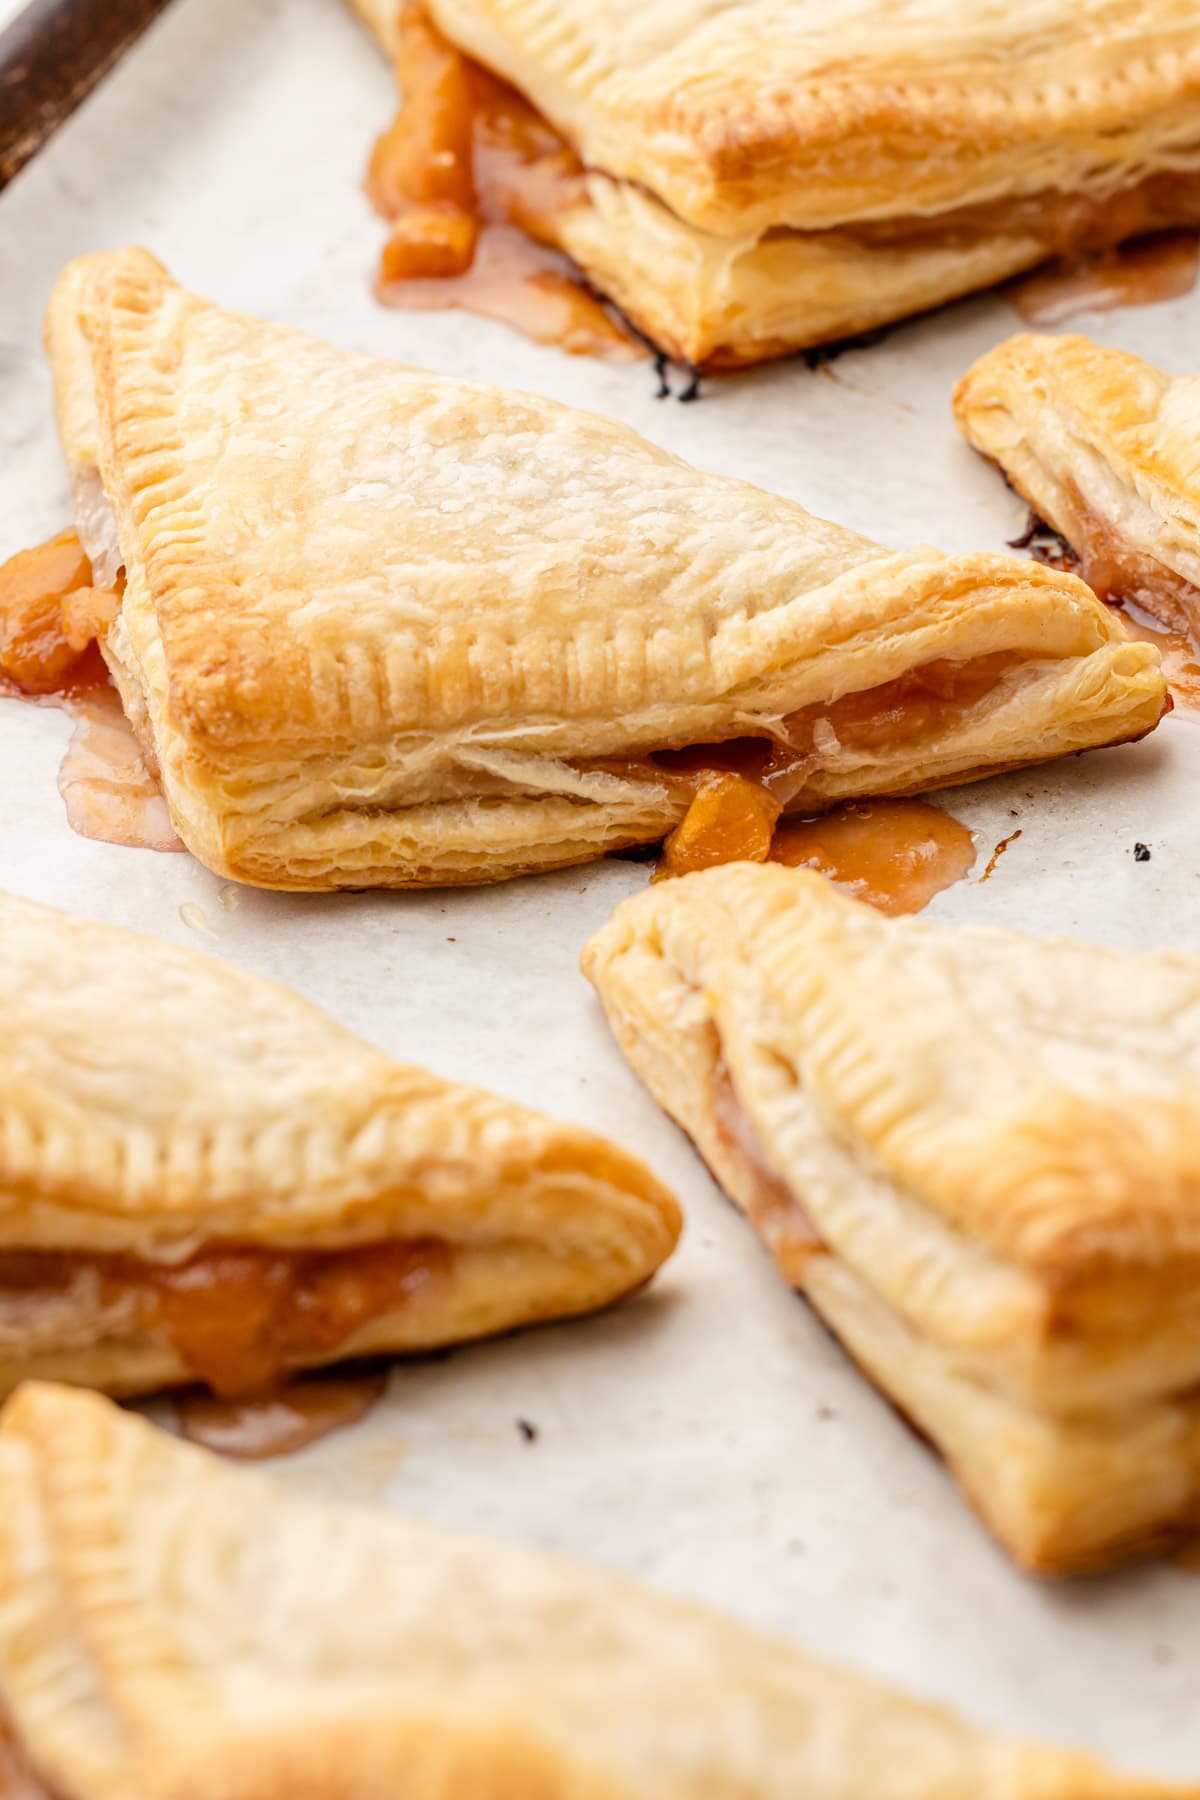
x=108 y=790
x=288 y=1419
x=51 y=618
x=1179 y=650
x=470 y=178
x=1142 y=273
x=894 y=854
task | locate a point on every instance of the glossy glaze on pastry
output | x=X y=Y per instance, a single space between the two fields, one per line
x=173 y=1628
x=1106 y=449
x=783 y=172
x=976 y=1153
x=204 y=1178
x=385 y=628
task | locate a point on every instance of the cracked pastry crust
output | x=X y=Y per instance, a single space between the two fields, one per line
x=203 y=1177
x=384 y=628
x=170 y=1626
x=977 y=1155
x=768 y=176
x=1106 y=449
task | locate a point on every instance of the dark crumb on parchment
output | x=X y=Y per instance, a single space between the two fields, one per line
x=1034 y=527
x=642 y=853
x=820 y=354
x=826 y=1412
x=1045 y=545
x=528 y=1431
x=663 y=365
x=1141 y=853
x=692 y=390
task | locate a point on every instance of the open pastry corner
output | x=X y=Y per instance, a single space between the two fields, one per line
x=204 y=1178
x=171 y=1629
x=385 y=628
x=747 y=181
x=1106 y=449
x=976 y=1153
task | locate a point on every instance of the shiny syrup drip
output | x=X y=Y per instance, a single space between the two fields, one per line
x=1143 y=273
x=50 y=615
x=893 y=854
x=1179 y=650
x=276 y=1424
x=470 y=178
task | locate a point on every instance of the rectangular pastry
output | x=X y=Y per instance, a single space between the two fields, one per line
x=749 y=179
x=1106 y=449
x=385 y=628
x=978 y=1156
x=203 y=1178
x=174 y=1629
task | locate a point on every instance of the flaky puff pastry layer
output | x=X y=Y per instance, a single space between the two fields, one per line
x=785 y=172
x=817 y=113
x=171 y=1627
x=1106 y=449
x=155 y=1104
x=385 y=628
x=978 y=1155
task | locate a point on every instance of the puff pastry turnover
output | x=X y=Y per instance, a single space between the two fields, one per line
x=204 y=1178
x=170 y=1627
x=976 y=1153
x=762 y=176
x=1106 y=449
x=381 y=627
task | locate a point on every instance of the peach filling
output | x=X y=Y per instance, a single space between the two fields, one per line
x=465 y=151
x=471 y=181
x=51 y=617
x=739 y=788
x=239 y=1317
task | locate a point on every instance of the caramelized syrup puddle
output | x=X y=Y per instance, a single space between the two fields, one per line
x=893 y=854
x=470 y=178
x=50 y=619
x=1164 y=267
x=291 y=1417
x=1179 y=649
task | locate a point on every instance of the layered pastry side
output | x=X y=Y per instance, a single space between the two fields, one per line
x=743 y=181
x=171 y=1627
x=204 y=1179
x=1106 y=449
x=384 y=628
x=976 y=1153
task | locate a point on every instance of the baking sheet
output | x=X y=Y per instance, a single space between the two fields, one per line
x=708 y=1437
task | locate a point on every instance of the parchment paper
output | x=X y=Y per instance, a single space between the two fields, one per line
x=709 y=1436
